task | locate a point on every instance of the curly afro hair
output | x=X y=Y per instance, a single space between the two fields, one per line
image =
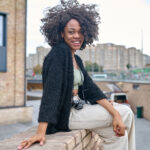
x=57 y=17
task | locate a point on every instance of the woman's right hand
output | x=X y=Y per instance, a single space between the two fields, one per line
x=27 y=143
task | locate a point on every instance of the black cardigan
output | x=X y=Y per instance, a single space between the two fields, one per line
x=57 y=76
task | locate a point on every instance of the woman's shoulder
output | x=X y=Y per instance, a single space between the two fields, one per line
x=61 y=45
x=57 y=53
x=58 y=50
x=78 y=58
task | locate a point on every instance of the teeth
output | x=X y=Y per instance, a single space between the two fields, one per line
x=76 y=42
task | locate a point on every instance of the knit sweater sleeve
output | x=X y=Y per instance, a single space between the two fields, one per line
x=92 y=92
x=52 y=83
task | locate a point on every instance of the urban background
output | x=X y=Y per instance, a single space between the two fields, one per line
x=117 y=61
x=115 y=67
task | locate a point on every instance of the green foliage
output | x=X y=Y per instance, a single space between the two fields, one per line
x=37 y=69
x=93 y=67
x=147 y=65
x=101 y=69
x=128 y=66
x=88 y=66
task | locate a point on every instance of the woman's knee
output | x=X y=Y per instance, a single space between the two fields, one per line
x=124 y=109
x=128 y=117
x=129 y=113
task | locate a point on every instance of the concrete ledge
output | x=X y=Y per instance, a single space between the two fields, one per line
x=74 y=140
x=15 y=115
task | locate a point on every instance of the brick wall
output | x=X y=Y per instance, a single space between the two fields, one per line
x=12 y=81
x=74 y=140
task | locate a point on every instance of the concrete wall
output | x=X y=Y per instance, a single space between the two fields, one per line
x=15 y=115
x=12 y=81
x=138 y=94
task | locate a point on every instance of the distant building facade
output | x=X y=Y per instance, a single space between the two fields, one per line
x=113 y=57
x=37 y=58
x=146 y=60
x=12 y=62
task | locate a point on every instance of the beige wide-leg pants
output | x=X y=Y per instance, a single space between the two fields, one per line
x=98 y=119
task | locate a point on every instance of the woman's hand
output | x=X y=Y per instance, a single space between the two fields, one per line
x=118 y=125
x=27 y=143
x=39 y=137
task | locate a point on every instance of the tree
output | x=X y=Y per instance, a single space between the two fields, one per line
x=37 y=69
x=128 y=66
x=147 y=65
x=101 y=69
x=88 y=66
x=93 y=67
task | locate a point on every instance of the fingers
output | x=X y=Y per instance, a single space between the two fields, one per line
x=115 y=128
x=118 y=126
x=26 y=144
x=42 y=143
x=22 y=145
x=120 y=131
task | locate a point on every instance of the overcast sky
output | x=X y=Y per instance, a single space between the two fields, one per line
x=122 y=22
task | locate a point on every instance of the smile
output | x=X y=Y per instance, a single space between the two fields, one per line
x=77 y=42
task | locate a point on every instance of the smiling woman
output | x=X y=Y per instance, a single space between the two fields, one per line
x=71 y=100
x=54 y=24
x=72 y=34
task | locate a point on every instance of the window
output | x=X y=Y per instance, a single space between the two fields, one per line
x=136 y=86
x=1 y=30
x=3 y=27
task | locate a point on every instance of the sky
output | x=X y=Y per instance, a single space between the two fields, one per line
x=123 y=22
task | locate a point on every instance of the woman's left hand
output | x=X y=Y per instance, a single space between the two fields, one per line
x=118 y=125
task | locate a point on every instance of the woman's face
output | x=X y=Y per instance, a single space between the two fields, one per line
x=72 y=35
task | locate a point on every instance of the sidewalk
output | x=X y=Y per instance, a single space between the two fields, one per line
x=142 y=131
x=142 y=127
x=7 y=131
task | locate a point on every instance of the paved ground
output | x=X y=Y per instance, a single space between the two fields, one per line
x=142 y=128
x=142 y=131
x=10 y=130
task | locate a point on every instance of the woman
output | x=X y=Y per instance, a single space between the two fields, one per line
x=67 y=28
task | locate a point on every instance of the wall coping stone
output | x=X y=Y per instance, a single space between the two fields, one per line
x=74 y=140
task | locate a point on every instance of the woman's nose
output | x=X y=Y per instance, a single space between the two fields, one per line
x=76 y=35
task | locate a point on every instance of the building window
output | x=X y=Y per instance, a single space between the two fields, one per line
x=3 y=27
x=1 y=30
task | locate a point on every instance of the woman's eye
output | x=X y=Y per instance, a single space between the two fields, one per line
x=71 y=32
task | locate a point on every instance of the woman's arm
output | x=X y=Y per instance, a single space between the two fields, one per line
x=39 y=137
x=42 y=128
x=118 y=125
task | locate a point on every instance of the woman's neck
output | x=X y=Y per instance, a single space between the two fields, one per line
x=73 y=52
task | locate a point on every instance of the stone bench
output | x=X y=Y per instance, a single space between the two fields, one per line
x=74 y=140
